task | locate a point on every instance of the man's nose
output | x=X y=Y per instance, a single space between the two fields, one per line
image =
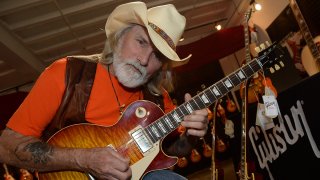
x=144 y=58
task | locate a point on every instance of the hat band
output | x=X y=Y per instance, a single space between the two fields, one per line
x=163 y=35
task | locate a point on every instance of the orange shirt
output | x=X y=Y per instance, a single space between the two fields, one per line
x=41 y=104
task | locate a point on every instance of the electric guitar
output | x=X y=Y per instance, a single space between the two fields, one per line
x=310 y=55
x=243 y=170
x=143 y=126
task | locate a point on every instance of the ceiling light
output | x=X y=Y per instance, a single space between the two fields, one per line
x=257 y=6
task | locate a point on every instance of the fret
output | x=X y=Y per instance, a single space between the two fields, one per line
x=202 y=103
x=189 y=107
x=184 y=109
x=241 y=75
x=162 y=127
x=150 y=134
x=210 y=95
x=164 y=123
x=199 y=103
x=222 y=87
x=176 y=117
x=255 y=66
x=156 y=131
x=171 y=119
x=229 y=84
x=215 y=91
x=235 y=79
x=169 y=123
x=248 y=71
x=194 y=104
x=180 y=113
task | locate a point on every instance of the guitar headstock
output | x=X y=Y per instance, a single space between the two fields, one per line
x=274 y=55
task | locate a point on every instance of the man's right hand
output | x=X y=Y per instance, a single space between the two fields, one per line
x=106 y=163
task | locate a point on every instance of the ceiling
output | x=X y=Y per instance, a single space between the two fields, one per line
x=34 y=33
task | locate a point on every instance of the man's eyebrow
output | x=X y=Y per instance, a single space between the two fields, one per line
x=145 y=40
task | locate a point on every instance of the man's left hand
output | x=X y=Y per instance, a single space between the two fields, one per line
x=196 y=122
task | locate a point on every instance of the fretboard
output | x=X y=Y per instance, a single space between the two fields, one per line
x=169 y=122
x=304 y=29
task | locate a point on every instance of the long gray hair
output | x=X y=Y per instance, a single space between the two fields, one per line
x=162 y=78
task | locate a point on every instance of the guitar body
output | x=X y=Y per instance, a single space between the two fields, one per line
x=138 y=115
x=311 y=65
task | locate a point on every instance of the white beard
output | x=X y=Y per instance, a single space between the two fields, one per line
x=129 y=72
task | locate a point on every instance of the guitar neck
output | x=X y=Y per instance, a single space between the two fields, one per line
x=304 y=29
x=169 y=122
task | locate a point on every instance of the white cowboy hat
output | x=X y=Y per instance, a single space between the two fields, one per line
x=164 y=24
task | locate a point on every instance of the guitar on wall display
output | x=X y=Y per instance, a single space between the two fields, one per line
x=214 y=170
x=258 y=82
x=310 y=55
x=243 y=170
x=143 y=126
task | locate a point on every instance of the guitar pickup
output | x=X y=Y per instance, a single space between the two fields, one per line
x=141 y=140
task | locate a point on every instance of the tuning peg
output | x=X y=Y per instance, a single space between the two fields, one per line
x=262 y=46
x=281 y=64
x=268 y=43
x=277 y=67
x=271 y=70
x=257 y=49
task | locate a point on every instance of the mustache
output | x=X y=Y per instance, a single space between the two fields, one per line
x=141 y=69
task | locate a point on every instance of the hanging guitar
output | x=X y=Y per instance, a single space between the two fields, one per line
x=310 y=55
x=221 y=146
x=182 y=162
x=243 y=170
x=258 y=81
x=257 y=86
x=143 y=126
x=214 y=170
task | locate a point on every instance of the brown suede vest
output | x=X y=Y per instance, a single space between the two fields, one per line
x=79 y=80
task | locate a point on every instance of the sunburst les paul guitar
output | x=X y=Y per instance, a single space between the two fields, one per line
x=310 y=55
x=143 y=126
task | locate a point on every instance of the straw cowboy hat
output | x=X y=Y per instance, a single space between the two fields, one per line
x=165 y=25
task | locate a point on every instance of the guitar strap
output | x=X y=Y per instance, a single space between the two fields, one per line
x=80 y=74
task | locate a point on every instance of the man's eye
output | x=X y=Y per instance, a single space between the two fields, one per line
x=141 y=42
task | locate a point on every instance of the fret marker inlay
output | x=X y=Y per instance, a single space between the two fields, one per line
x=189 y=108
x=205 y=99
x=228 y=83
x=241 y=75
x=216 y=92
